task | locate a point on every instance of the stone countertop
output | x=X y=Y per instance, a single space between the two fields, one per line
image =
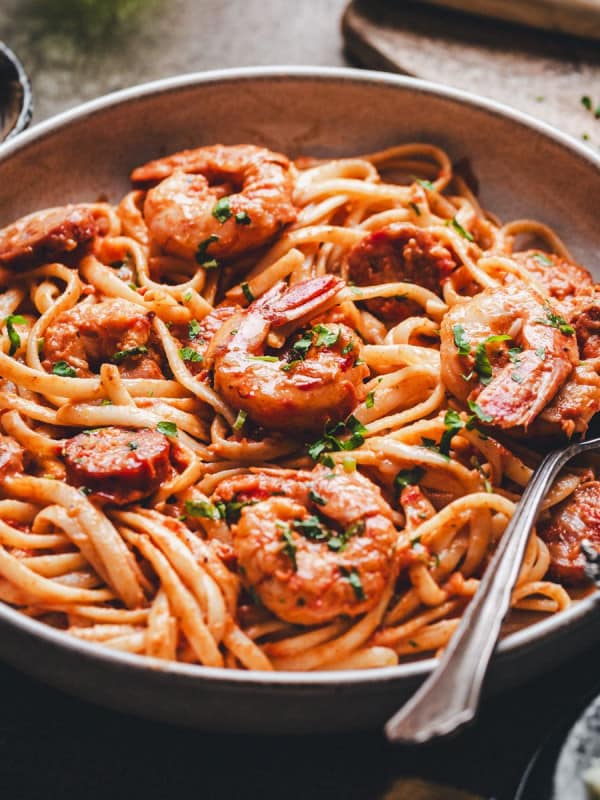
x=53 y=746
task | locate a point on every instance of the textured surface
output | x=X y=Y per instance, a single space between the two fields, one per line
x=541 y=73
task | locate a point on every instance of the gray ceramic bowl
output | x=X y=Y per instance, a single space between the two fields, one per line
x=525 y=169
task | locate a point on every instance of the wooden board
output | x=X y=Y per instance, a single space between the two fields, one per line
x=578 y=17
x=541 y=73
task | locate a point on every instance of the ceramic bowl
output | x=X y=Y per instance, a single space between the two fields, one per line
x=524 y=169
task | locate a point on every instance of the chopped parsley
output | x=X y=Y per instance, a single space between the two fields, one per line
x=311 y=528
x=189 y=354
x=479 y=412
x=63 y=370
x=514 y=353
x=454 y=223
x=167 y=429
x=542 y=259
x=317 y=498
x=353 y=578
x=408 y=477
x=331 y=440
x=289 y=548
x=516 y=377
x=483 y=367
x=240 y=420
x=554 y=320
x=194 y=329
x=325 y=336
x=453 y=424
x=264 y=358
x=187 y=296
x=132 y=445
x=460 y=340
x=222 y=210
x=291 y=364
x=247 y=292
x=347 y=348
x=122 y=355
x=541 y=353
x=586 y=102
x=202 y=508
x=242 y=218
x=13 y=336
x=202 y=257
x=339 y=541
x=426 y=184
x=431 y=444
x=370 y=400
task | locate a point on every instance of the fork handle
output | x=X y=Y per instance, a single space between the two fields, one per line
x=449 y=698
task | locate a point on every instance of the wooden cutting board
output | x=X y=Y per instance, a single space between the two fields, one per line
x=578 y=17
x=545 y=74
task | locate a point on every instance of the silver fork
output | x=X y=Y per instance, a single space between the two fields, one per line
x=449 y=698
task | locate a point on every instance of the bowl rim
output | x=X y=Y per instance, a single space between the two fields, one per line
x=510 y=646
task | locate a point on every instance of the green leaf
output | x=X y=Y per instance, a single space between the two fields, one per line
x=353 y=578
x=325 y=336
x=370 y=400
x=479 y=412
x=187 y=296
x=541 y=353
x=316 y=498
x=291 y=364
x=242 y=218
x=426 y=184
x=121 y=355
x=132 y=445
x=189 y=354
x=454 y=223
x=202 y=256
x=311 y=528
x=408 y=477
x=289 y=548
x=167 y=429
x=247 y=292
x=542 y=259
x=240 y=420
x=303 y=345
x=517 y=378
x=222 y=210
x=453 y=424
x=194 y=329
x=347 y=348
x=586 y=102
x=483 y=367
x=202 y=508
x=272 y=359
x=63 y=370
x=514 y=353
x=460 y=340
x=554 y=320
x=13 y=336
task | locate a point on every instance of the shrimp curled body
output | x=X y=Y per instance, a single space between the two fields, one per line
x=521 y=352
x=299 y=389
x=252 y=185
x=323 y=550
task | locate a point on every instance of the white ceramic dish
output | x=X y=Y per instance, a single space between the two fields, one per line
x=524 y=168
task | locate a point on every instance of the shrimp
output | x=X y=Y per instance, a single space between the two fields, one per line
x=217 y=202
x=324 y=549
x=509 y=351
x=11 y=457
x=116 y=331
x=317 y=379
x=562 y=279
x=47 y=234
x=399 y=252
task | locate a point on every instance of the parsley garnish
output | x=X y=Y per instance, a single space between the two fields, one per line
x=121 y=355
x=347 y=348
x=426 y=184
x=202 y=508
x=222 y=210
x=187 y=296
x=264 y=358
x=291 y=364
x=586 y=102
x=132 y=445
x=331 y=441
x=311 y=528
x=453 y=424
x=13 y=336
x=408 y=477
x=316 y=498
x=479 y=412
x=63 y=370
x=483 y=367
x=541 y=353
x=554 y=320
x=189 y=354
x=325 y=336
x=454 y=223
x=242 y=218
x=517 y=378
x=289 y=548
x=240 y=420
x=370 y=400
x=167 y=429
x=202 y=256
x=514 y=353
x=542 y=259
x=460 y=340
x=247 y=292
x=194 y=329
x=353 y=579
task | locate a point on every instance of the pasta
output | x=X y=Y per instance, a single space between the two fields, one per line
x=265 y=414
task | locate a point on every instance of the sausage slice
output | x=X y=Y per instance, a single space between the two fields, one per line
x=575 y=519
x=117 y=465
x=399 y=252
x=44 y=235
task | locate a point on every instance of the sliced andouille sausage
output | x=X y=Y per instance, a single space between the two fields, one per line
x=399 y=252
x=45 y=235
x=118 y=465
x=575 y=519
